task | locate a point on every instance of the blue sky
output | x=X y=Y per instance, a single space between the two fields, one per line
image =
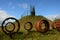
x=16 y=8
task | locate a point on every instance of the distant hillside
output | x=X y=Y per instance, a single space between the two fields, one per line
x=32 y=19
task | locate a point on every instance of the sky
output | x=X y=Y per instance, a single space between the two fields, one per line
x=18 y=8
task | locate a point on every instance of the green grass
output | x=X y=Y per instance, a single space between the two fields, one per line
x=33 y=34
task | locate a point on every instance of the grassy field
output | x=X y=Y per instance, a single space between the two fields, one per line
x=33 y=34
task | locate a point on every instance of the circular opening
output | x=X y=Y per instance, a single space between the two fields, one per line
x=10 y=27
x=28 y=26
x=42 y=26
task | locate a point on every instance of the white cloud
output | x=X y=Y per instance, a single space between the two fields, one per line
x=3 y=15
x=58 y=16
x=23 y=5
x=52 y=17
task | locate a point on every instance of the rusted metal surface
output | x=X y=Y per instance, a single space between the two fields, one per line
x=38 y=26
x=57 y=24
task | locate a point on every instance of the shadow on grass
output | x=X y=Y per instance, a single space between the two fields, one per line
x=27 y=35
x=18 y=36
x=34 y=33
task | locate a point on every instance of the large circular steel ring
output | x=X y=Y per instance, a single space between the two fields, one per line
x=9 y=30
x=30 y=26
x=7 y=23
x=38 y=26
